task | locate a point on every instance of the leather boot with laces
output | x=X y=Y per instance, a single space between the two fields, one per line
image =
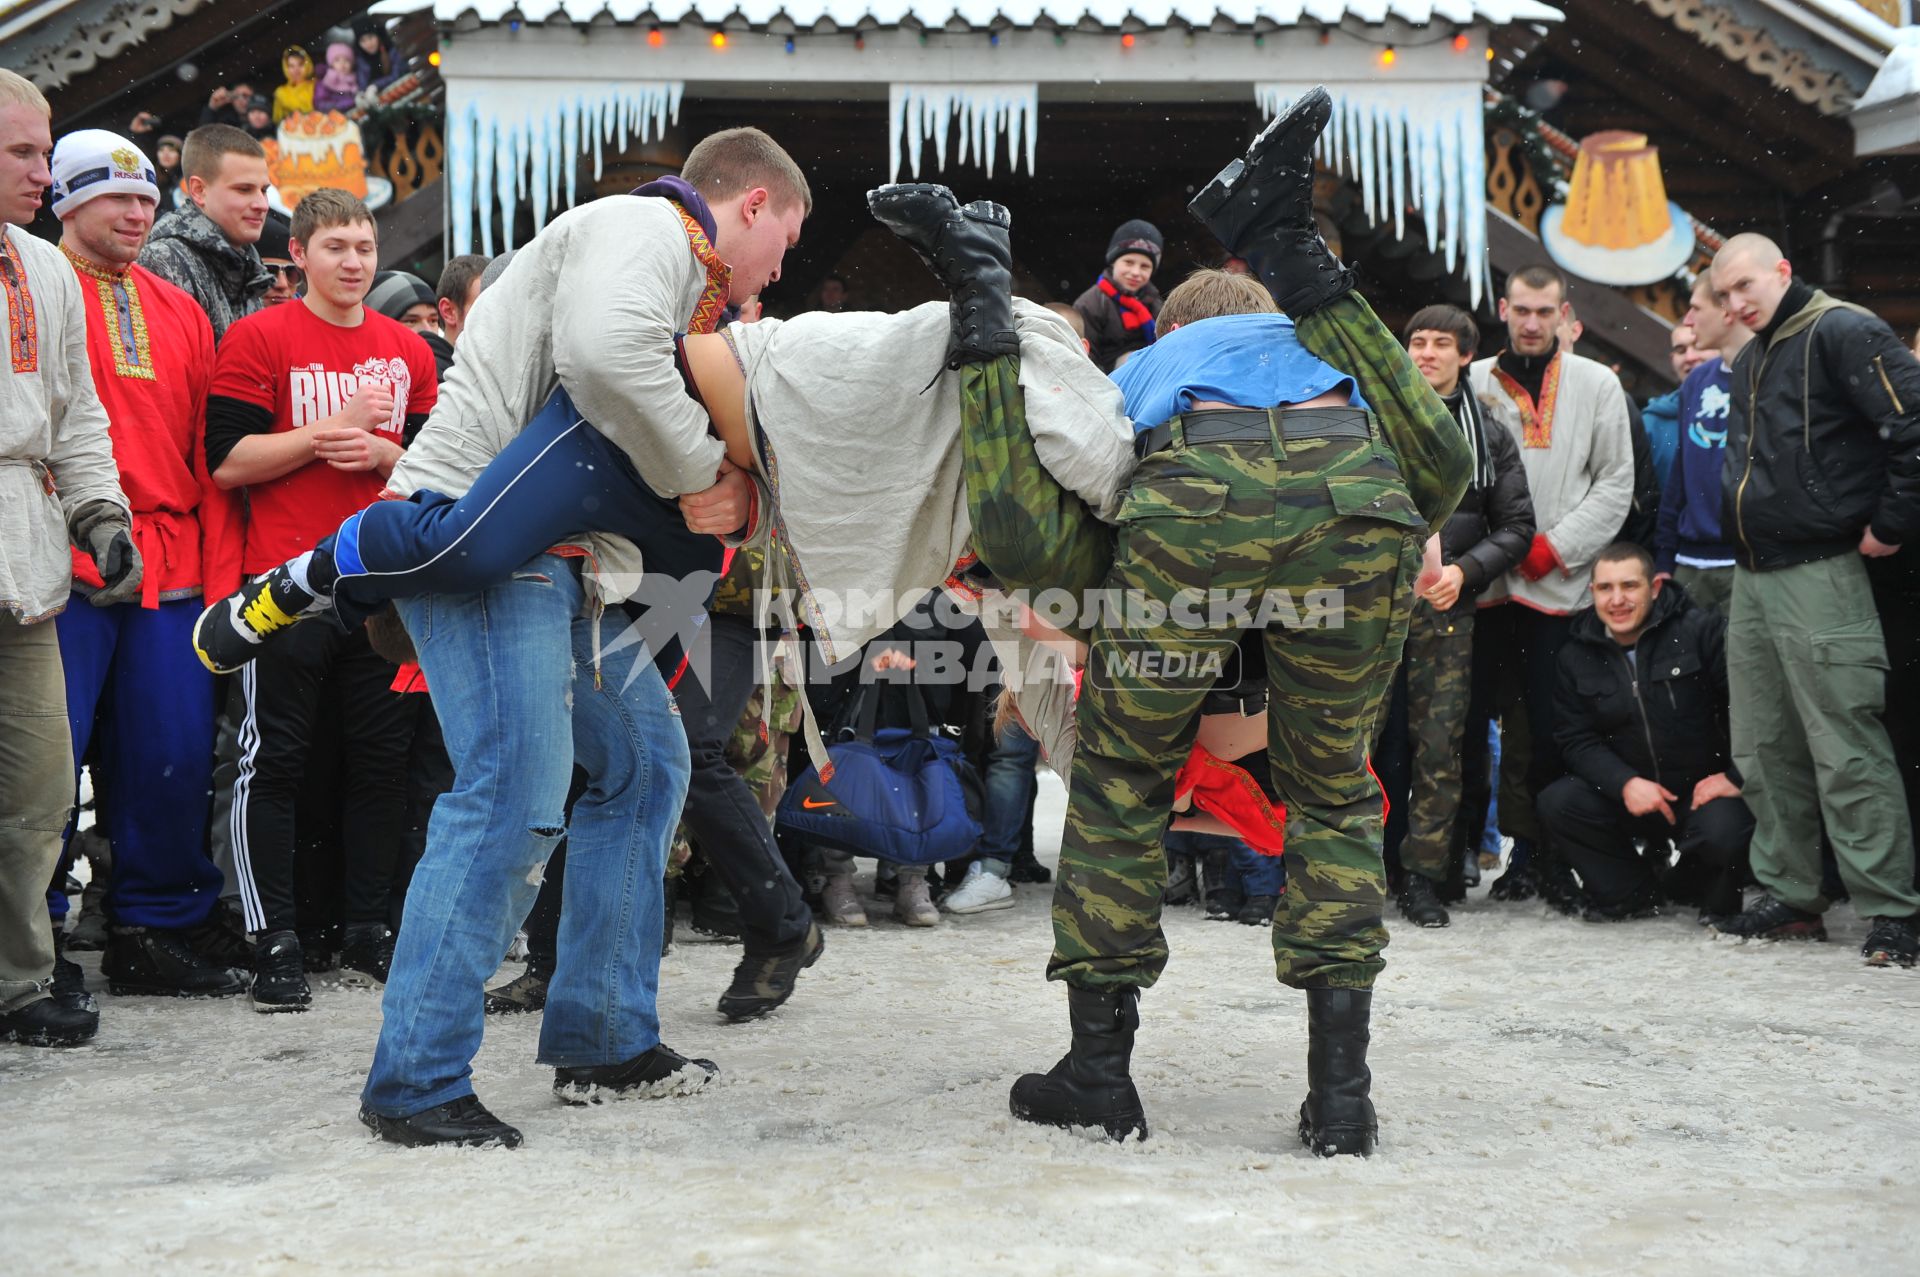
x=1337 y=1116
x=1261 y=208
x=1420 y=902
x=969 y=249
x=1091 y=1085
x=152 y=962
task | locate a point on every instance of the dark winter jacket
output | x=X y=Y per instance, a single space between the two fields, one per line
x=1643 y=516
x=1493 y=527
x=1108 y=337
x=442 y=353
x=1662 y=715
x=1690 y=504
x=189 y=251
x=1825 y=438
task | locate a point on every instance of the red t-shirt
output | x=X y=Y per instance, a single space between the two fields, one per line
x=299 y=367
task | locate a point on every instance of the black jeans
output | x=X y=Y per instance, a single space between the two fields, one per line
x=1516 y=657
x=722 y=815
x=1595 y=834
x=311 y=668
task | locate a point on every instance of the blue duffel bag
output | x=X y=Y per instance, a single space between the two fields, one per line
x=896 y=793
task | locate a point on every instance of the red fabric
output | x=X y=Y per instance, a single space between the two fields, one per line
x=1540 y=559
x=409 y=678
x=303 y=369
x=150 y=348
x=1227 y=791
x=1133 y=312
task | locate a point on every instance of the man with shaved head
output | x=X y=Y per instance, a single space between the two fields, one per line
x=1822 y=474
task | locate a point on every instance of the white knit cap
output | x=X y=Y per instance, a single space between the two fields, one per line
x=95 y=162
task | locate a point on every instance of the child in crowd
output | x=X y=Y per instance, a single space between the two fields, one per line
x=340 y=86
x=1120 y=309
x=296 y=95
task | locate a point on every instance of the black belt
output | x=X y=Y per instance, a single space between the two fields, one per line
x=1241 y=425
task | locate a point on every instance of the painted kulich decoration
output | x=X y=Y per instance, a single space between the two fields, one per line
x=1617 y=225
x=316 y=149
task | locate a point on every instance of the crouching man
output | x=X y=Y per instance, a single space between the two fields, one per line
x=1641 y=715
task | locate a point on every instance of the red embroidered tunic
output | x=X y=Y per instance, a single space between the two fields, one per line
x=151 y=350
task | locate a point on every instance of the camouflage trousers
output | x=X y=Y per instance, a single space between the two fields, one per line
x=1439 y=662
x=1320 y=537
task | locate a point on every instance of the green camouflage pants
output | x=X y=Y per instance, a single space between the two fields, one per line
x=1318 y=539
x=1439 y=664
x=1034 y=534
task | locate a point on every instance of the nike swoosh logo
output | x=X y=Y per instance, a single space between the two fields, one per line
x=811 y=805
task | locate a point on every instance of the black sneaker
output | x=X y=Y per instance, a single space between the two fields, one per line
x=1515 y=885
x=1765 y=918
x=522 y=993
x=151 y=962
x=69 y=987
x=221 y=938
x=653 y=1074
x=1026 y=868
x=1891 y=943
x=1420 y=902
x=47 y=1023
x=464 y=1122
x=366 y=955
x=280 y=977
x=765 y=979
x=230 y=631
x=1558 y=886
x=1258 y=911
x=1224 y=905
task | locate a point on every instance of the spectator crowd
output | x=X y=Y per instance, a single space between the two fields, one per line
x=1658 y=668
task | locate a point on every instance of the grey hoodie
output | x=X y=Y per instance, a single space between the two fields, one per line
x=188 y=250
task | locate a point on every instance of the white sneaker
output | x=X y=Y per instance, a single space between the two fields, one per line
x=913 y=903
x=979 y=891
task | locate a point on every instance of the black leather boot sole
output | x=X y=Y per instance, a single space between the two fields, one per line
x=464 y=1123
x=1240 y=202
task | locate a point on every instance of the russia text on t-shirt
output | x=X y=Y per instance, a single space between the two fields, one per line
x=302 y=369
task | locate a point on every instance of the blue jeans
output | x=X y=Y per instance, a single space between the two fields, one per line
x=1249 y=872
x=519 y=704
x=1010 y=788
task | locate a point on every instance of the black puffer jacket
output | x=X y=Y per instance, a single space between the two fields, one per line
x=1663 y=715
x=1824 y=436
x=1493 y=527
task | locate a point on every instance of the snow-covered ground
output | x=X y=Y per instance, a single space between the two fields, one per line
x=1554 y=1098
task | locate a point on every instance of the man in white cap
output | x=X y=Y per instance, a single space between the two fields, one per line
x=147 y=715
x=57 y=487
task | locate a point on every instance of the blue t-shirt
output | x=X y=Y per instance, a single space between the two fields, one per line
x=1255 y=361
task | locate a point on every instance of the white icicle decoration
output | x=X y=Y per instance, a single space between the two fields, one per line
x=1418 y=145
x=984 y=112
x=515 y=140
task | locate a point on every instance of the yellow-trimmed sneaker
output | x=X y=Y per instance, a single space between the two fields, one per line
x=230 y=632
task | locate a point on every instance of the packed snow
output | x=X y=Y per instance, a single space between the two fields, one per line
x=1554 y=1097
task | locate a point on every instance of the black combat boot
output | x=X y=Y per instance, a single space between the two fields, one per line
x=969 y=248
x=1090 y=1086
x=1420 y=902
x=1261 y=208
x=765 y=978
x=1337 y=1117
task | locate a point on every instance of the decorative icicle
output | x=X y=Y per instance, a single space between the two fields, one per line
x=510 y=141
x=982 y=114
x=1418 y=145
